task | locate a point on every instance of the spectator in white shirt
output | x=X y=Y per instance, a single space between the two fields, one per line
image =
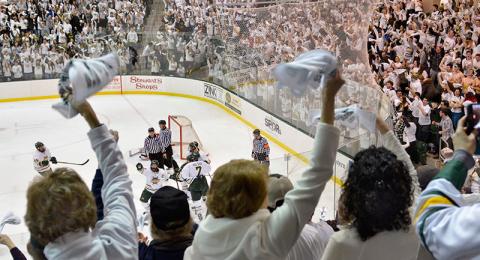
x=414 y=107
x=7 y=70
x=456 y=103
x=48 y=69
x=27 y=68
x=132 y=37
x=424 y=121
x=148 y=51
x=410 y=139
x=17 y=71
x=38 y=69
x=155 y=66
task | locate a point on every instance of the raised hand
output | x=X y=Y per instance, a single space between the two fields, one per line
x=462 y=141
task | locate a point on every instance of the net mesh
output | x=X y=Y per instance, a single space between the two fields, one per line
x=183 y=134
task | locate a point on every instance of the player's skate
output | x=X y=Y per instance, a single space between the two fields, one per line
x=310 y=69
x=81 y=79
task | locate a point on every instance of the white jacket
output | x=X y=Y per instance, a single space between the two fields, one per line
x=263 y=235
x=114 y=237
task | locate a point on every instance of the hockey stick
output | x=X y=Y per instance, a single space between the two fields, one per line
x=75 y=163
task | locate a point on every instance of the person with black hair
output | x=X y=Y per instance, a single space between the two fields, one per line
x=261 y=148
x=446 y=131
x=171 y=228
x=165 y=136
x=424 y=121
x=152 y=146
x=375 y=204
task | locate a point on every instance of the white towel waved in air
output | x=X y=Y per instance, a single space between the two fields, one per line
x=81 y=79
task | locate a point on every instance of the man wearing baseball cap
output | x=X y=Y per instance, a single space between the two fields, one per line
x=314 y=236
x=171 y=226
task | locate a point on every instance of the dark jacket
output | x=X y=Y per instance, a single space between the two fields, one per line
x=167 y=250
x=97 y=184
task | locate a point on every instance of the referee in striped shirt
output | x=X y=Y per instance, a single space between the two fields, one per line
x=261 y=148
x=166 y=144
x=153 y=146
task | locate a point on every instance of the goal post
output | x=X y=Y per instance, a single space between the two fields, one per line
x=183 y=133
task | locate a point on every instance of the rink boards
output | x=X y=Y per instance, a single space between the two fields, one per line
x=290 y=139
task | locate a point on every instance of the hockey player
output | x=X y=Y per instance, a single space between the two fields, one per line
x=42 y=159
x=261 y=149
x=193 y=148
x=156 y=178
x=193 y=173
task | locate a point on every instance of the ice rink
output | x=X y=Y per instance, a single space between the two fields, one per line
x=24 y=123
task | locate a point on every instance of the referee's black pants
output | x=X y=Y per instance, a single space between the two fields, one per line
x=158 y=157
x=169 y=161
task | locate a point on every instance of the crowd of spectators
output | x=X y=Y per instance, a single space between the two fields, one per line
x=425 y=63
x=39 y=37
x=428 y=65
x=382 y=214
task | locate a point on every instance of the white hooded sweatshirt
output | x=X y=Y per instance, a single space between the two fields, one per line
x=264 y=236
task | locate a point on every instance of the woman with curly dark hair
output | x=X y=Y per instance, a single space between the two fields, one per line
x=374 y=210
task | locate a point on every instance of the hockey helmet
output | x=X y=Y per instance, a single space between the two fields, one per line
x=139 y=166
x=38 y=144
x=193 y=145
x=154 y=162
x=193 y=157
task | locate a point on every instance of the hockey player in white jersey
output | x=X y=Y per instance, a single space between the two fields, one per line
x=193 y=148
x=156 y=178
x=42 y=158
x=193 y=173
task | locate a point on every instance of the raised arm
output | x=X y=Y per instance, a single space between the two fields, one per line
x=285 y=224
x=391 y=142
x=117 y=230
x=446 y=228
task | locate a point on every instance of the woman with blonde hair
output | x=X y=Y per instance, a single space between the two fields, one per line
x=61 y=211
x=240 y=226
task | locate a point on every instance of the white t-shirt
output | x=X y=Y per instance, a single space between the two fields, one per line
x=414 y=108
x=194 y=169
x=17 y=71
x=409 y=133
x=27 y=67
x=417 y=86
x=39 y=157
x=312 y=241
x=460 y=100
x=155 y=180
x=424 y=119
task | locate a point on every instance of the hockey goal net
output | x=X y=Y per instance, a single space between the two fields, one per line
x=183 y=134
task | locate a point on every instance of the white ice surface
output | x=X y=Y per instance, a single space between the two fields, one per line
x=24 y=123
